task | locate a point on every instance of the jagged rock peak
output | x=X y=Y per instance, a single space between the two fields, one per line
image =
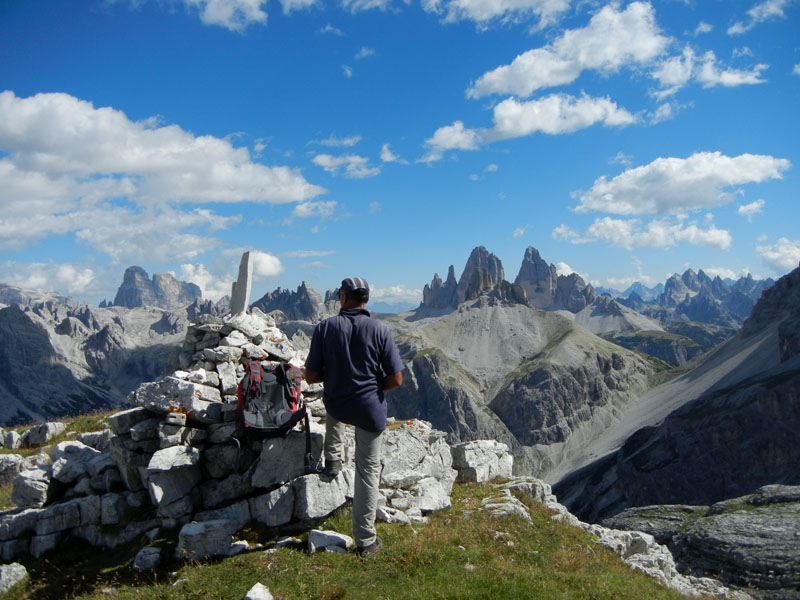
x=780 y=303
x=440 y=294
x=573 y=293
x=537 y=278
x=482 y=272
x=163 y=291
x=305 y=304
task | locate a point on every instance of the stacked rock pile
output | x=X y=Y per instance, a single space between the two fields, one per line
x=146 y=472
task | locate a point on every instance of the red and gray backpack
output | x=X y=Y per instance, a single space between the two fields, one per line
x=270 y=403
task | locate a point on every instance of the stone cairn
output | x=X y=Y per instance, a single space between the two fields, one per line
x=174 y=461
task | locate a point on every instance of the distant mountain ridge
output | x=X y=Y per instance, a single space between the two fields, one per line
x=162 y=291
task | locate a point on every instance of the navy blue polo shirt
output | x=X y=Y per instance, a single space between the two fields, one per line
x=354 y=353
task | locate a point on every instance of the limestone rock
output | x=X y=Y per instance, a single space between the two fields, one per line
x=201 y=402
x=10 y=466
x=41 y=434
x=538 y=279
x=321 y=539
x=201 y=541
x=318 y=496
x=11 y=575
x=30 y=486
x=480 y=461
x=147 y=559
x=163 y=291
x=482 y=272
x=274 y=508
x=282 y=458
x=258 y=592
x=303 y=305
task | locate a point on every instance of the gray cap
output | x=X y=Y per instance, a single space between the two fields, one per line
x=352 y=284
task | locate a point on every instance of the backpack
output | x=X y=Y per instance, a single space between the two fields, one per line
x=269 y=404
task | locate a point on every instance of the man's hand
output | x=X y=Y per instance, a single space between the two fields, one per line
x=392 y=381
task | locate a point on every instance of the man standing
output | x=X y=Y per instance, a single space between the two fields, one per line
x=356 y=358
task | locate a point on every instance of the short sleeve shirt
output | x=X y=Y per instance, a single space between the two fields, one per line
x=354 y=353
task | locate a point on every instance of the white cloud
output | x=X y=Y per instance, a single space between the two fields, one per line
x=308 y=253
x=725 y=273
x=338 y=142
x=555 y=114
x=290 y=6
x=265 y=264
x=388 y=156
x=348 y=72
x=67 y=141
x=563 y=268
x=364 y=52
x=50 y=276
x=374 y=207
x=781 y=257
x=675 y=72
x=492 y=168
x=621 y=159
x=709 y=73
x=612 y=39
x=743 y=51
x=395 y=294
x=770 y=9
x=355 y=167
x=485 y=11
x=751 y=210
x=796 y=70
x=630 y=234
x=451 y=137
x=322 y=210
x=332 y=30
x=235 y=15
x=518 y=232
x=673 y=185
x=703 y=27
x=355 y=6
x=212 y=286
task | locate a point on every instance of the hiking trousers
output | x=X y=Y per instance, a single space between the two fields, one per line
x=368 y=475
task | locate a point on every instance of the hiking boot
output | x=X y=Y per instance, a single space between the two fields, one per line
x=371 y=550
x=332 y=468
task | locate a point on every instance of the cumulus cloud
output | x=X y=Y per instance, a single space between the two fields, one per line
x=332 y=30
x=703 y=27
x=211 y=285
x=675 y=72
x=65 y=277
x=334 y=141
x=782 y=256
x=364 y=52
x=354 y=166
x=308 y=253
x=751 y=210
x=761 y=12
x=355 y=6
x=322 y=210
x=554 y=115
x=613 y=39
x=348 y=71
x=518 y=232
x=796 y=70
x=290 y=6
x=235 y=15
x=388 y=156
x=725 y=273
x=57 y=136
x=483 y=12
x=632 y=233
x=121 y=187
x=265 y=264
x=674 y=185
x=396 y=294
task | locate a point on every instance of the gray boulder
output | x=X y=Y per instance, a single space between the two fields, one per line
x=41 y=434
x=201 y=541
x=274 y=508
x=30 y=486
x=172 y=473
x=11 y=575
x=258 y=592
x=10 y=466
x=147 y=559
x=322 y=540
x=282 y=458
x=201 y=402
x=481 y=460
x=318 y=496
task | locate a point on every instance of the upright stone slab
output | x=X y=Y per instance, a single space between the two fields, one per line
x=240 y=291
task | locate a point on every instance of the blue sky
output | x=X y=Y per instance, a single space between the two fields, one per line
x=386 y=139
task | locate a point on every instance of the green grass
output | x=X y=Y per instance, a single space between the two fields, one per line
x=458 y=554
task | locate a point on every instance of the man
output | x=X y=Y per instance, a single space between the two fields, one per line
x=356 y=358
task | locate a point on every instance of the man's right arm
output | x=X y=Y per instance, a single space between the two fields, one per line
x=391 y=381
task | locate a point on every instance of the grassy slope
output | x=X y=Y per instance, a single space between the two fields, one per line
x=458 y=554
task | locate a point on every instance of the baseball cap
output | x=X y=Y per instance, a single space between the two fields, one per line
x=352 y=284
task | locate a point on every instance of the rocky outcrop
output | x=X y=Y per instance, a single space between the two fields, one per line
x=441 y=294
x=65 y=358
x=538 y=279
x=163 y=291
x=482 y=272
x=747 y=542
x=305 y=304
x=744 y=423
x=572 y=293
